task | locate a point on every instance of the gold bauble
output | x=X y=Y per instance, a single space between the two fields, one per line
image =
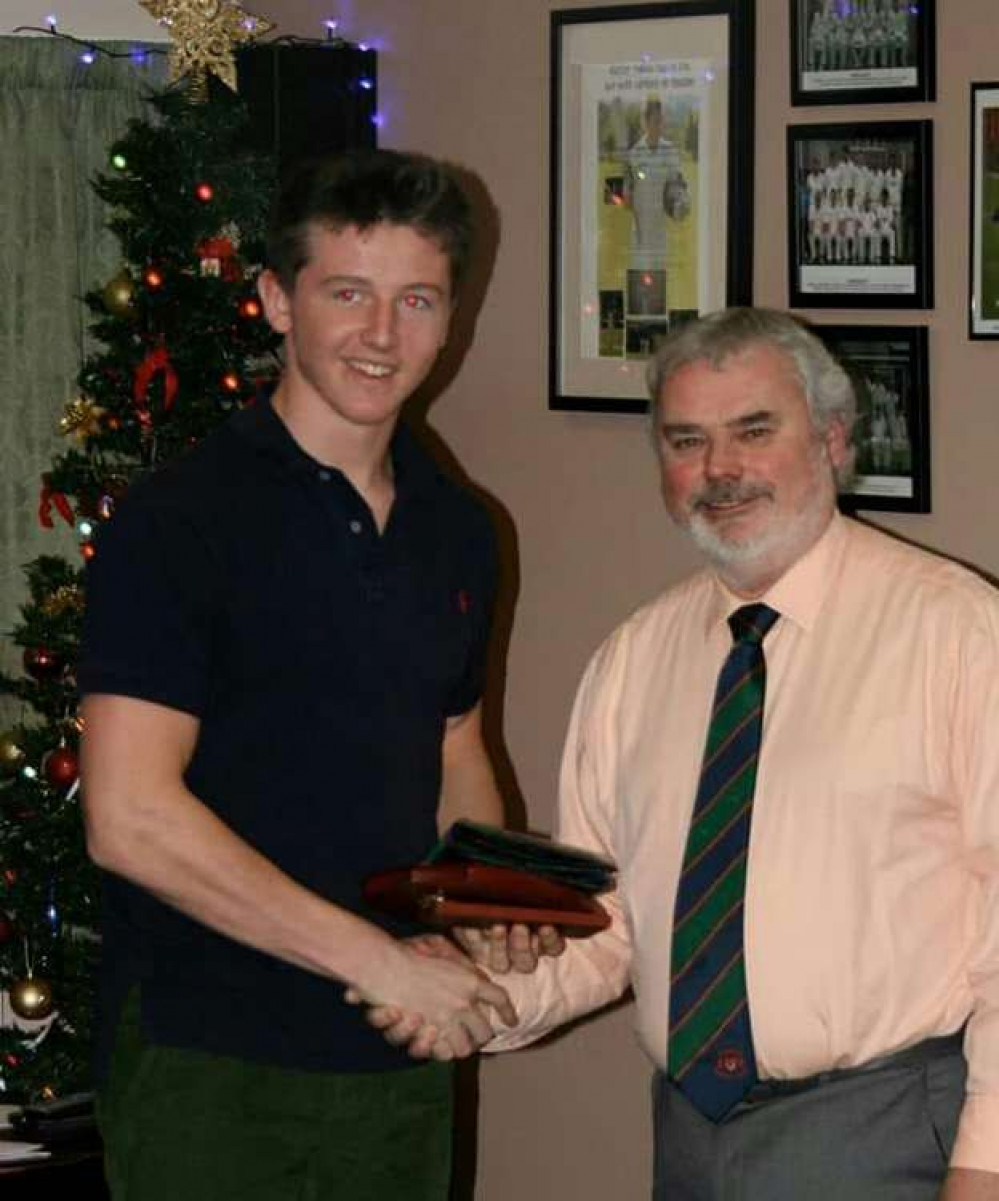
x=32 y=998
x=11 y=751
x=119 y=295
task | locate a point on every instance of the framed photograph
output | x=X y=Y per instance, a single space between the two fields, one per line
x=862 y=51
x=889 y=368
x=983 y=313
x=860 y=219
x=651 y=186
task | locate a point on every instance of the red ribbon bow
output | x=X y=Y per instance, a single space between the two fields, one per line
x=156 y=360
x=50 y=499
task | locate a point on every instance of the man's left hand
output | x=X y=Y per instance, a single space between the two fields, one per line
x=502 y=948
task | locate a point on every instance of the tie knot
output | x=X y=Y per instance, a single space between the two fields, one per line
x=752 y=623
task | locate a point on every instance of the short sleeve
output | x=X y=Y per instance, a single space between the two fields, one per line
x=151 y=591
x=477 y=591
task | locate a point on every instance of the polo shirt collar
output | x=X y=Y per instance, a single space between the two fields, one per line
x=260 y=425
x=801 y=591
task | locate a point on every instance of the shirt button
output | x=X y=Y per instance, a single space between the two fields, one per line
x=355 y=527
x=325 y=476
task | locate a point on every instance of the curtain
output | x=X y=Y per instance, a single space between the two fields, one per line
x=58 y=118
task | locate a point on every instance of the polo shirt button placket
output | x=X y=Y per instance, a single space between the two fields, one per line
x=356 y=527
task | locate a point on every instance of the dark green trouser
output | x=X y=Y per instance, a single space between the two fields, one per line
x=187 y=1126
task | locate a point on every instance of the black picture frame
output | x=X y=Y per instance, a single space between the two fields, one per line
x=841 y=177
x=613 y=285
x=862 y=51
x=983 y=222
x=889 y=366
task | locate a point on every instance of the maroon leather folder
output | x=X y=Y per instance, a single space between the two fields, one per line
x=475 y=894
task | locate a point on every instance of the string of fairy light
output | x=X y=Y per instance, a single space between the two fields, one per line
x=90 y=50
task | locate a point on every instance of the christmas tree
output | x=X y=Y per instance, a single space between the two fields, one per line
x=183 y=343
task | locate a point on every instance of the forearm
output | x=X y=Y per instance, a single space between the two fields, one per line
x=965 y=1184
x=468 y=783
x=590 y=974
x=171 y=844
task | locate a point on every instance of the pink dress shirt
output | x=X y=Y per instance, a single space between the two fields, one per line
x=872 y=907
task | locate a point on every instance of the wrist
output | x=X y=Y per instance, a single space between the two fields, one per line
x=371 y=961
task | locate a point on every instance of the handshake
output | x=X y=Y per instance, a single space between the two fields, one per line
x=508 y=900
x=433 y=995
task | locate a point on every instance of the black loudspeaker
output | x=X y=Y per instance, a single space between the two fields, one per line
x=306 y=100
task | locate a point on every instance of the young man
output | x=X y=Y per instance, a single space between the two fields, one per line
x=808 y=843
x=282 y=667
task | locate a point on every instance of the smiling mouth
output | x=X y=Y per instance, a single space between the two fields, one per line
x=721 y=506
x=371 y=370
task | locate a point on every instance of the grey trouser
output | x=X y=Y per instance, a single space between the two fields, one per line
x=882 y=1132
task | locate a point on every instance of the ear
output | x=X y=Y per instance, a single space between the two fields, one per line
x=837 y=443
x=276 y=301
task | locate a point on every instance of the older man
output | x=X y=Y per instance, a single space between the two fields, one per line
x=804 y=993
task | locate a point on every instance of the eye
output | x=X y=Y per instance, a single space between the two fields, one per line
x=347 y=295
x=416 y=301
x=684 y=442
x=754 y=432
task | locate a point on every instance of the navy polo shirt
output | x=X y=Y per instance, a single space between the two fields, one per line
x=248 y=585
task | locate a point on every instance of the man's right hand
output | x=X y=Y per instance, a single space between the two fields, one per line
x=435 y=1002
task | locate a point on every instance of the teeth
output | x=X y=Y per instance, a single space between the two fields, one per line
x=375 y=370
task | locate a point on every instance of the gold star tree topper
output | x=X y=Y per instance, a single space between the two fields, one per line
x=204 y=35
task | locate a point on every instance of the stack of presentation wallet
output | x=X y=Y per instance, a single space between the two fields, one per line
x=479 y=875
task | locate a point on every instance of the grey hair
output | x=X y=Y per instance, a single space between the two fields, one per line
x=829 y=391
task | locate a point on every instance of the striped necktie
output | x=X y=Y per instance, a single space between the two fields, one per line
x=711 y=1057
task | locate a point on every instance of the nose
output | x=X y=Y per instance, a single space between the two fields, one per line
x=381 y=328
x=722 y=459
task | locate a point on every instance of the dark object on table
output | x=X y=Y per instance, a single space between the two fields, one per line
x=65 y=1122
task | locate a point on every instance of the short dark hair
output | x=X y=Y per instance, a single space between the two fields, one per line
x=365 y=188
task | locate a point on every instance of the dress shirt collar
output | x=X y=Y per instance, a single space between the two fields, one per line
x=801 y=591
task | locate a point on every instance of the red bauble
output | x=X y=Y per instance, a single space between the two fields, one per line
x=43 y=663
x=62 y=768
x=6 y=928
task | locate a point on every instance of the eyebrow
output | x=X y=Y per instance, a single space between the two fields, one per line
x=363 y=281
x=743 y=422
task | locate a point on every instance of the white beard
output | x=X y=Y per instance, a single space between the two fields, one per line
x=752 y=564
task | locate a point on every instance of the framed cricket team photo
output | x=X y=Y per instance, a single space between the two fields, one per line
x=889 y=369
x=983 y=311
x=651 y=186
x=860 y=223
x=862 y=51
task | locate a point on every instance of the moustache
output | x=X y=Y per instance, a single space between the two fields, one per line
x=727 y=492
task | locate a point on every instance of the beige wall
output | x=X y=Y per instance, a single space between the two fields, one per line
x=469 y=79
